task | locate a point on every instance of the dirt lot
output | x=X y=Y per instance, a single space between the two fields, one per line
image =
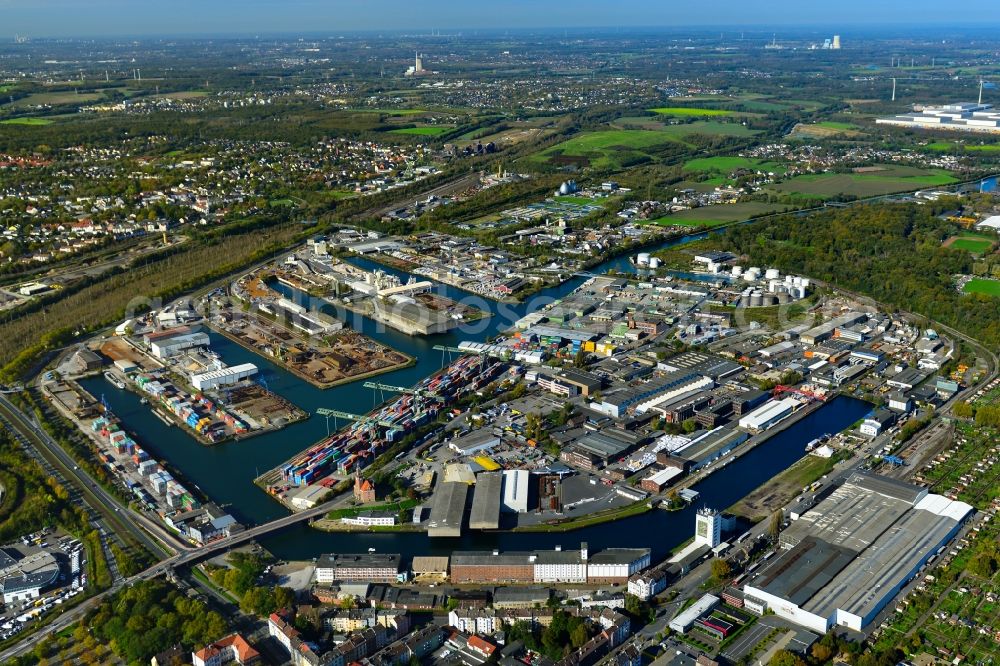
x=117 y=349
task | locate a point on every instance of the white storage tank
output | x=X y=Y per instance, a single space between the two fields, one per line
x=772 y=274
x=654 y=262
x=737 y=271
x=642 y=259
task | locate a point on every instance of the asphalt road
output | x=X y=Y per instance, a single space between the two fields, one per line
x=97 y=496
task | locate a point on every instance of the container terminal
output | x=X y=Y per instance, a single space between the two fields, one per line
x=357 y=445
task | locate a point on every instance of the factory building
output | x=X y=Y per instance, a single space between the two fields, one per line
x=711 y=446
x=368 y=567
x=658 y=390
x=963 y=117
x=516 y=489
x=616 y=565
x=448 y=510
x=492 y=567
x=768 y=414
x=877 y=422
x=485 y=513
x=704 y=364
x=826 y=330
x=598 y=449
x=558 y=566
x=571 y=382
x=170 y=346
x=204 y=381
x=658 y=481
x=848 y=557
x=613 y=565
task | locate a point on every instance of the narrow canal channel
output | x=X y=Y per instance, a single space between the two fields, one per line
x=225 y=472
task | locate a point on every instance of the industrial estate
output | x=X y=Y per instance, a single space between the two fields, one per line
x=563 y=350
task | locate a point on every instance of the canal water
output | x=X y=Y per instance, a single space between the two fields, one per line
x=225 y=472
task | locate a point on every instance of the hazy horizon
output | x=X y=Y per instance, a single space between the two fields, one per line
x=224 y=18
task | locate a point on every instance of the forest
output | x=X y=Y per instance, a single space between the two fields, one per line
x=892 y=253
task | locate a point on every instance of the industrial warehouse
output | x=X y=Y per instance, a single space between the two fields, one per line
x=612 y=565
x=846 y=559
x=963 y=117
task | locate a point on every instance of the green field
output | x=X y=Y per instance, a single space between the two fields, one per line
x=26 y=121
x=689 y=111
x=725 y=165
x=972 y=243
x=394 y=112
x=807 y=104
x=611 y=148
x=58 y=98
x=606 y=148
x=434 y=130
x=759 y=105
x=889 y=181
x=946 y=147
x=982 y=286
x=713 y=216
x=837 y=126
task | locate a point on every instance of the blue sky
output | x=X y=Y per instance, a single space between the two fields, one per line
x=83 y=18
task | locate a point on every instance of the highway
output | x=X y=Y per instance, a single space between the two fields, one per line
x=97 y=496
x=30 y=434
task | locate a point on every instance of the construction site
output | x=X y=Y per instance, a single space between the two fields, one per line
x=310 y=344
x=412 y=307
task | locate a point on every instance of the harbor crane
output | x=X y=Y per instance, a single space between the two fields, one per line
x=445 y=349
x=378 y=386
x=338 y=414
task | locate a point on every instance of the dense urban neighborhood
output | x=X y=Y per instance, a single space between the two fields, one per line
x=536 y=347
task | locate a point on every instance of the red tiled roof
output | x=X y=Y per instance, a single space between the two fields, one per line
x=477 y=643
x=244 y=651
